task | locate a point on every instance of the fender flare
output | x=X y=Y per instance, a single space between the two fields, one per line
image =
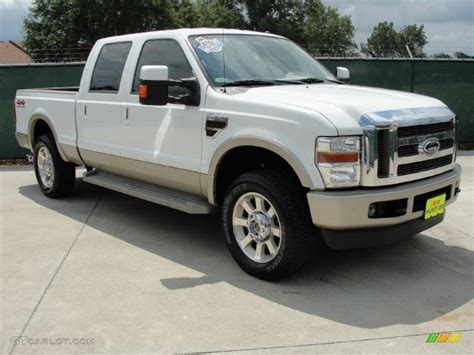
x=259 y=142
x=31 y=130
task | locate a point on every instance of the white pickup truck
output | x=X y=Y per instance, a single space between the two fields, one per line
x=249 y=125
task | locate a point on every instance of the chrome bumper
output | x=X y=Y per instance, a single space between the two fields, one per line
x=348 y=209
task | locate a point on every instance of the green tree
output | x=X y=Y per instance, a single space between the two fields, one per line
x=322 y=30
x=462 y=55
x=48 y=26
x=283 y=17
x=326 y=32
x=386 y=41
x=67 y=29
x=209 y=13
x=383 y=42
x=185 y=14
x=414 y=37
x=441 y=56
x=60 y=28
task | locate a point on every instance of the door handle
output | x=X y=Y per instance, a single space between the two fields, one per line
x=126 y=116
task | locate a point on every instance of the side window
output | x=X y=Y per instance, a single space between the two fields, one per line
x=109 y=67
x=164 y=52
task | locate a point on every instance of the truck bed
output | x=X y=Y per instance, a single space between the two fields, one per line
x=57 y=105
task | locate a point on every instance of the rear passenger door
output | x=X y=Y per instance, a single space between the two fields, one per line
x=100 y=110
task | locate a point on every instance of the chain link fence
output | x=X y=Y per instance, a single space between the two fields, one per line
x=61 y=55
x=451 y=81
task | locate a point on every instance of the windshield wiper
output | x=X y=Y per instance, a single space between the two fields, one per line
x=319 y=81
x=336 y=81
x=311 y=80
x=290 y=81
x=249 y=83
x=257 y=82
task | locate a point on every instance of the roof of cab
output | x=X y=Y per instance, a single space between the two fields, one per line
x=184 y=32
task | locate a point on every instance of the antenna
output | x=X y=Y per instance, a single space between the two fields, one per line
x=409 y=51
x=223 y=59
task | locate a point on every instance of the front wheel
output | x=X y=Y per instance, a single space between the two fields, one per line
x=55 y=177
x=267 y=224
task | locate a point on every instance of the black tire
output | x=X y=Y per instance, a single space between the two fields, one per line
x=64 y=175
x=297 y=230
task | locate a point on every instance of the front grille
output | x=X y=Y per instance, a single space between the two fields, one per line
x=396 y=153
x=420 y=130
x=446 y=143
x=417 y=167
x=409 y=150
x=383 y=153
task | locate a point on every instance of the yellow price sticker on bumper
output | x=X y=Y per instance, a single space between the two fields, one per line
x=435 y=206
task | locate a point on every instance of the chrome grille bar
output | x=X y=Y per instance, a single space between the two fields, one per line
x=399 y=157
x=421 y=139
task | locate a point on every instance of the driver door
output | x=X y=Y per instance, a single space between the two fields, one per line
x=167 y=139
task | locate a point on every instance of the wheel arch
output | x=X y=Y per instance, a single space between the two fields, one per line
x=40 y=119
x=266 y=145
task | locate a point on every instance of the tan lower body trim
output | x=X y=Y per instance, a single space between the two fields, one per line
x=72 y=154
x=23 y=140
x=174 y=178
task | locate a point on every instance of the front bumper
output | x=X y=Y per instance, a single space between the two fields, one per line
x=346 y=211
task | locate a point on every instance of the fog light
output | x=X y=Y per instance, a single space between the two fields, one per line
x=372 y=210
x=388 y=209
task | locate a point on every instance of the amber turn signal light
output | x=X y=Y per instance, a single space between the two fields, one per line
x=338 y=157
x=143 y=91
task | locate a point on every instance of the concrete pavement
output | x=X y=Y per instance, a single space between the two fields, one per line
x=110 y=273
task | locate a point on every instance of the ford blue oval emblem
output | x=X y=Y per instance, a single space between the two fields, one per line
x=429 y=147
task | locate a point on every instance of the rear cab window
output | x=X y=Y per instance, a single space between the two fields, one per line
x=108 y=70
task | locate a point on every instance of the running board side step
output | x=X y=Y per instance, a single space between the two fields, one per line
x=178 y=200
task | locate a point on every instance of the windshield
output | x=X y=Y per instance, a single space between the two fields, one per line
x=256 y=59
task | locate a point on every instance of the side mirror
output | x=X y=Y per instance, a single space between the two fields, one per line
x=343 y=74
x=153 y=89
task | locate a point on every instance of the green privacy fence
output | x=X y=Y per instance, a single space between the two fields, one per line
x=16 y=77
x=450 y=81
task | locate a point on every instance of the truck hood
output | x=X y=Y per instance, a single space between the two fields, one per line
x=348 y=106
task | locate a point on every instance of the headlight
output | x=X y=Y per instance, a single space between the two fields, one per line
x=338 y=159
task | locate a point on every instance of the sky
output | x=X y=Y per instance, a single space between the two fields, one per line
x=449 y=24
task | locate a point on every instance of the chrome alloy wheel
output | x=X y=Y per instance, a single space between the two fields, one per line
x=45 y=167
x=256 y=227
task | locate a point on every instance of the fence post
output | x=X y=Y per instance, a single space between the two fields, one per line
x=412 y=76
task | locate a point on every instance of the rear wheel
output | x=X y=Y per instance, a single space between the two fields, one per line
x=267 y=224
x=55 y=177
